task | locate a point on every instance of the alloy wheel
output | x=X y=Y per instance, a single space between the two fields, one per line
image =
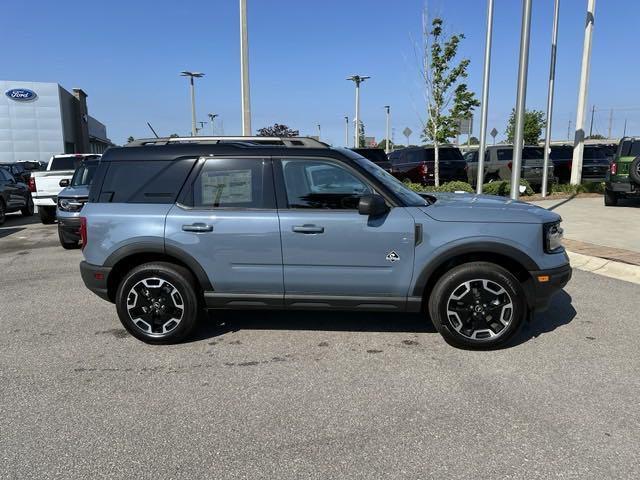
x=155 y=306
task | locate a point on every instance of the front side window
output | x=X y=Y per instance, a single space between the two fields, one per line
x=233 y=183
x=321 y=185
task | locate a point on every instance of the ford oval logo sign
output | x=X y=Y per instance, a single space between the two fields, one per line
x=21 y=94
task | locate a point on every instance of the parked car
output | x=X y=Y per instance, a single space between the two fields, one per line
x=594 y=163
x=623 y=178
x=14 y=196
x=46 y=185
x=376 y=155
x=498 y=161
x=17 y=170
x=172 y=226
x=417 y=164
x=31 y=165
x=70 y=203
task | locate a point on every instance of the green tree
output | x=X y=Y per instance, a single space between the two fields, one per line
x=596 y=136
x=534 y=123
x=448 y=97
x=383 y=144
x=361 y=135
x=278 y=130
x=130 y=139
x=174 y=135
x=474 y=141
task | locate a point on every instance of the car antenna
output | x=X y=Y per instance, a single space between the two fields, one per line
x=154 y=132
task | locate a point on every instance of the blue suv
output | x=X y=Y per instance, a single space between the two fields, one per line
x=176 y=226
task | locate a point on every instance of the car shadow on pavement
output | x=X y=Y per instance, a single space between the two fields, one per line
x=18 y=220
x=220 y=322
x=559 y=313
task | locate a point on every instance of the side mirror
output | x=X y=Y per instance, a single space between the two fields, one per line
x=64 y=182
x=372 y=205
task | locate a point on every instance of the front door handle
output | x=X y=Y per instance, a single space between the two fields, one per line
x=307 y=228
x=197 y=227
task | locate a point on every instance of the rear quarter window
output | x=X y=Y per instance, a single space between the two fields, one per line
x=144 y=181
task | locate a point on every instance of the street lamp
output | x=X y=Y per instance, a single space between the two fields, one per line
x=388 y=110
x=319 y=131
x=191 y=76
x=212 y=117
x=346 y=131
x=357 y=79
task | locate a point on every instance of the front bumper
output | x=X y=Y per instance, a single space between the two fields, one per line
x=95 y=279
x=545 y=284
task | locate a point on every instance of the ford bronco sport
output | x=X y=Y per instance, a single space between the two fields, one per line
x=174 y=226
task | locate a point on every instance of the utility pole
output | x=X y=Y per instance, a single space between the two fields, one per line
x=484 y=108
x=202 y=124
x=624 y=132
x=346 y=131
x=388 y=110
x=523 y=67
x=357 y=79
x=319 y=132
x=212 y=117
x=191 y=76
x=593 y=112
x=244 y=70
x=578 y=142
x=552 y=78
x=610 y=122
x=569 y=131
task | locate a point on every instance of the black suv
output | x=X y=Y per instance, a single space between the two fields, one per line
x=417 y=164
x=376 y=155
x=14 y=196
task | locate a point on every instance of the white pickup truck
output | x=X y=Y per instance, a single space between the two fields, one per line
x=46 y=185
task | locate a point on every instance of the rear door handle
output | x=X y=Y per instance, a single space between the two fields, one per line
x=198 y=228
x=307 y=229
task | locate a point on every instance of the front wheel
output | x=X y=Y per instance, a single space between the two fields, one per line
x=157 y=302
x=477 y=305
x=610 y=198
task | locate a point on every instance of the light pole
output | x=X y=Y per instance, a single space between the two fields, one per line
x=552 y=78
x=191 y=76
x=212 y=117
x=388 y=110
x=523 y=67
x=244 y=70
x=578 y=142
x=485 y=97
x=202 y=124
x=357 y=79
x=346 y=131
x=319 y=132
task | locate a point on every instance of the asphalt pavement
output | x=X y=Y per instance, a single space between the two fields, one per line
x=280 y=395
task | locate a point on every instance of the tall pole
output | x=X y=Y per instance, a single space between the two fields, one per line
x=624 y=131
x=523 y=67
x=578 y=142
x=319 y=132
x=552 y=77
x=593 y=112
x=610 y=122
x=346 y=132
x=212 y=117
x=244 y=70
x=194 y=131
x=569 y=130
x=388 y=109
x=356 y=138
x=484 y=108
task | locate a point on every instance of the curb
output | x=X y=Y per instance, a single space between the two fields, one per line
x=604 y=267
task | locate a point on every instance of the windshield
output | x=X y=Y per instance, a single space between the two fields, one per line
x=84 y=174
x=409 y=197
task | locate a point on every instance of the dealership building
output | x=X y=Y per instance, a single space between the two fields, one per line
x=38 y=120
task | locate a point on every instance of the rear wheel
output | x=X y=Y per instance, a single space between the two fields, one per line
x=3 y=212
x=47 y=215
x=610 y=198
x=27 y=211
x=157 y=302
x=477 y=305
x=634 y=170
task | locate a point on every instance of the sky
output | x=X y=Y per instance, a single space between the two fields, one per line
x=128 y=56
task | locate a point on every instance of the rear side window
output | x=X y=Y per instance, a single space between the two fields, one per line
x=505 y=154
x=233 y=183
x=144 y=181
x=65 y=163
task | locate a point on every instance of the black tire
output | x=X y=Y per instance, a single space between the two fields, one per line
x=132 y=289
x=634 y=170
x=610 y=198
x=47 y=215
x=65 y=242
x=472 y=332
x=27 y=211
x=3 y=212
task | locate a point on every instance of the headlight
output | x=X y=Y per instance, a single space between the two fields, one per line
x=553 y=234
x=69 y=205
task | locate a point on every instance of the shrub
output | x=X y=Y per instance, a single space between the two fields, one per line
x=587 y=187
x=503 y=188
x=456 y=186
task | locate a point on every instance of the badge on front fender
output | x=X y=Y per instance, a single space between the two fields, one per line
x=392 y=256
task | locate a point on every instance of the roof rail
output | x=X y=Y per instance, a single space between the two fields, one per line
x=300 y=142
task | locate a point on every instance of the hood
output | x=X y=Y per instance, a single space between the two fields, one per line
x=75 y=192
x=466 y=207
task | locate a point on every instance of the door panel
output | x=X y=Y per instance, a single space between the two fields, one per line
x=229 y=224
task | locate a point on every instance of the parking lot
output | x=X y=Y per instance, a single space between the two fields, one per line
x=306 y=395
